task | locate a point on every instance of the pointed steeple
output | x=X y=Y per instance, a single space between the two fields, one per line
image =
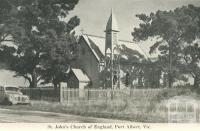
x=112 y=23
x=111 y=34
x=111 y=63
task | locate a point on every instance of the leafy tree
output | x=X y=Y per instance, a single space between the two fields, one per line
x=5 y=12
x=42 y=31
x=173 y=30
x=8 y=22
x=58 y=61
x=192 y=60
x=137 y=67
x=130 y=63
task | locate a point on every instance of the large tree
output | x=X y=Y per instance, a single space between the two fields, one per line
x=42 y=32
x=191 y=56
x=130 y=62
x=57 y=64
x=139 y=69
x=174 y=30
x=9 y=26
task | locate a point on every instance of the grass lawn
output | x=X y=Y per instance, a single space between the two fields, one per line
x=120 y=109
x=149 y=110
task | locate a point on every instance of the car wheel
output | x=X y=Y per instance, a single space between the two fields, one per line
x=7 y=102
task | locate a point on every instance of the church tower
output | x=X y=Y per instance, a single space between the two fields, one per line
x=112 y=65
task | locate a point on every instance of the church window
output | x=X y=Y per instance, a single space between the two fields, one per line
x=108 y=52
x=101 y=66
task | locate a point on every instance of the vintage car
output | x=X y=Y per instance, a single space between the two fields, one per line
x=12 y=95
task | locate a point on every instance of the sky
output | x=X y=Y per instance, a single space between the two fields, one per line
x=95 y=13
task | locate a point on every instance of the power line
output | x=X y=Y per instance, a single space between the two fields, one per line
x=143 y=51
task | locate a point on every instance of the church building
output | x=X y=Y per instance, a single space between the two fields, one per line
x=99 y=55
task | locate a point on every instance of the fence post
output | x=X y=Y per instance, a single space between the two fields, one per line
x=88 y=97
x=131 y=91
x=40 y=93
x=111 y=94
x=61 y=92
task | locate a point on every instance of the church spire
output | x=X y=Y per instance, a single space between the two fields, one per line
x=111 y=57
x=112 y=23
x=111 y=34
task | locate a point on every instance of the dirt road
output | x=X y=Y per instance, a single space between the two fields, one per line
x=18 y=116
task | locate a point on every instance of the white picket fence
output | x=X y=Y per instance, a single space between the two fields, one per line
x=68 y=94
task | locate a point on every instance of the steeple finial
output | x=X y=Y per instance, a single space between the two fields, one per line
x=112 y=23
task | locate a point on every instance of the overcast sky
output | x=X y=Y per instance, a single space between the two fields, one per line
x=94 y=15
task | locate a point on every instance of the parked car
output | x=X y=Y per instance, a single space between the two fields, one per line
x=12 y=95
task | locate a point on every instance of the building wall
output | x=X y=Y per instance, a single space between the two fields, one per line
x=88 y=63
x=72 y=81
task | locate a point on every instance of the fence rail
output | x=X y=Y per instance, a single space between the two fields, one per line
x=107 y=94
x=70 y=94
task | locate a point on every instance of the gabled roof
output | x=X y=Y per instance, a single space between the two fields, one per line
x=97 y=46
x=82 y=77
x=89 y=43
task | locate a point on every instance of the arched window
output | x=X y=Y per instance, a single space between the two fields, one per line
x=108 y=53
